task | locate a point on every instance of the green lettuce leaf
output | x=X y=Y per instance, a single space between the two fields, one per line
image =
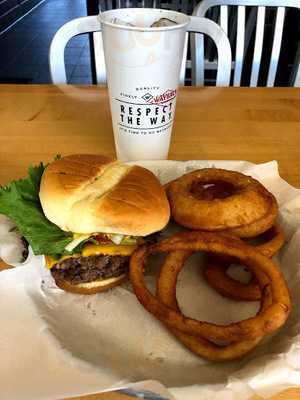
x=20 y=202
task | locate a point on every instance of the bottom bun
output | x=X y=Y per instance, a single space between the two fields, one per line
x=90 y=287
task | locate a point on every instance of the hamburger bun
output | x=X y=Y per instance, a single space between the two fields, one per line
x=91 y=193
x=90 y=287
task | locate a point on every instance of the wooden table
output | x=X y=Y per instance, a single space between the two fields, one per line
x=258 y=125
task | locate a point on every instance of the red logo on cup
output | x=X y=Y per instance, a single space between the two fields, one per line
x=161 y=98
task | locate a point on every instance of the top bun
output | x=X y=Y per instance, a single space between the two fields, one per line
x=91 y=193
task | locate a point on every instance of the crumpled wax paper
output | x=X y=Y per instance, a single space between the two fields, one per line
x=12 y=248
x=55 y=344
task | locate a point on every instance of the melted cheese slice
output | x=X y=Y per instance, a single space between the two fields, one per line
x=112 y=250
x=50 y=261
x=93 y=249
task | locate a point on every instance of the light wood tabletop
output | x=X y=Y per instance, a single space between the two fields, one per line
x=257 y=124
x=254 y=124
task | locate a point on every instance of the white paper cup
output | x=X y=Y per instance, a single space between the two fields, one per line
x=143 y=67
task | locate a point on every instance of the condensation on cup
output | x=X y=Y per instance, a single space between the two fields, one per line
x=143 y=65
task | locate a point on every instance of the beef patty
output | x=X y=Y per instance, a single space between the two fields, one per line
x=91 y=268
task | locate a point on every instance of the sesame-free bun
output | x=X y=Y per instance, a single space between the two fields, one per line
x=91 y=287
x=91 y=193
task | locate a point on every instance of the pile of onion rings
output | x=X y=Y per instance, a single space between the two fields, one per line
x=226 y=210
x=200 y=336
x=230 y=202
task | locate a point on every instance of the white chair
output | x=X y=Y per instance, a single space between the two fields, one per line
x=197 y=41
x=92 y=24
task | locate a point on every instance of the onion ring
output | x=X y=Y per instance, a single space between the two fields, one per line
x=215 y=269
x=166 y=293
x=265 y=321
x=215 y=274
x=273 y=240
x=219 y=190
x=248 y=211
x=258 y=227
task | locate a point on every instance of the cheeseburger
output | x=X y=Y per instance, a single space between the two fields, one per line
x=106 y=209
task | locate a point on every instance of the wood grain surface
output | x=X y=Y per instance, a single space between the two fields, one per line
x=254 y=124
x=289 y=394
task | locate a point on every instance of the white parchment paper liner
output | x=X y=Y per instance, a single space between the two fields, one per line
x=11 y=245
x=54 y=344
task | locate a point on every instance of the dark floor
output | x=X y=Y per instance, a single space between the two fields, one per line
x=24 y=47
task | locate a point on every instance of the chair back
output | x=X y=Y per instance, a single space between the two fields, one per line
x=242 y=32
x=186 y=6
x=92 y=24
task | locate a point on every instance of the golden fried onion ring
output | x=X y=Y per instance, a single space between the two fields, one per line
x=215 y=269
x=257 y=227
x=166 y=293
x=264 y=322
x=215 y=274
x=273 y=240
x=248 y=211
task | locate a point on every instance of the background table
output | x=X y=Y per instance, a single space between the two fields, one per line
x=257 y=124
x=254 y=124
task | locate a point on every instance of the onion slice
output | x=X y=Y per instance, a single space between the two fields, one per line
x=76 y=242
